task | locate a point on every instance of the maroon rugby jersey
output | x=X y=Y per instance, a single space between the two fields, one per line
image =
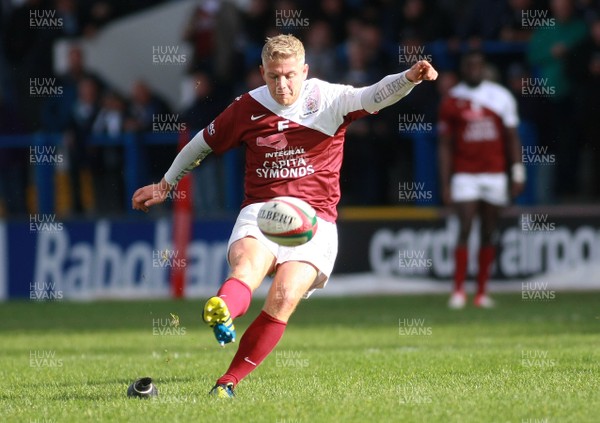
x=291 y=150
x=475 y=119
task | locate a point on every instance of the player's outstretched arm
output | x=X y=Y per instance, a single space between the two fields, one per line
x=394 y=87
x=188 y=158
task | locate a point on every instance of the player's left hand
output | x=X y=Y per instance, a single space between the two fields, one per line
x=422 y=71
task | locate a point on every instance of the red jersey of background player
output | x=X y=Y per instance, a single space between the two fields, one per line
x=290 y=150
x=475 y=118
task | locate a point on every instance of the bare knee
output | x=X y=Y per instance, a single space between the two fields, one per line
x=250 y=261
x=292 y=280
x=281 y=302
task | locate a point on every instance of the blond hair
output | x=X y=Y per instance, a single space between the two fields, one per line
x=282 y=47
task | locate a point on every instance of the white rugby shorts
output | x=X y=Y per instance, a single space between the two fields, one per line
x=489 y=187
x=320 y=251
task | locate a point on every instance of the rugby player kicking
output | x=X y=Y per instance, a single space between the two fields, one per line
x=293 y=130
x=478 y=139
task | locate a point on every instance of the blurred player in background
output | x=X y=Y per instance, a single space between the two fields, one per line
x=478 y=142
x=293 y=130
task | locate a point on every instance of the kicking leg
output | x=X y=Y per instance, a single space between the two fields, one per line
x=250 y=262
x=291 y=281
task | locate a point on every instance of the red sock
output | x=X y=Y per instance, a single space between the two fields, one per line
x=237 y=296
x=460 y=267
x=256 y=344
x=486 y=258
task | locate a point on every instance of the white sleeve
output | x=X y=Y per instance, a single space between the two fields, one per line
x=188 y=158
x=386 y=92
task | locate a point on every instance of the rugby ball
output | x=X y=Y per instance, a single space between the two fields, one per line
x=287 y=221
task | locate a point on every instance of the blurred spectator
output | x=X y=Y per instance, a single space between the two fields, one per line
x=484 y=19
x=200 y=33
x=548 y=51
x=534 y=110
x=364 y=55
x=206 y=107
x=421 y=20
x=253 y=80
x=584 y=71
x=98 y=13
x=79 y=149
x=366 y=186
x=145 y=108
x=69 y=12
x=335 y=13
x=108 y=163
x=56 y=110
x=320 y=52
x=512 y=28
x=111 y=116
x=256 y=18
x=28 y=50
x=287 y=16
x=13 y=165
x=228 y=47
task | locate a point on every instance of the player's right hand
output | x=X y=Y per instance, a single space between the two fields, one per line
x=150 y=195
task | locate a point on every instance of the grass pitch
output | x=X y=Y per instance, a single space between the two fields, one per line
x=373 y=359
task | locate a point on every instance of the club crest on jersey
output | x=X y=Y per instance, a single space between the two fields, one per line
x=275 y=141
x=311 y=103
x=211 y=128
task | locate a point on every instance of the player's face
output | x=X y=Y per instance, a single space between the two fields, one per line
x=284 y=78
x=473 y=68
